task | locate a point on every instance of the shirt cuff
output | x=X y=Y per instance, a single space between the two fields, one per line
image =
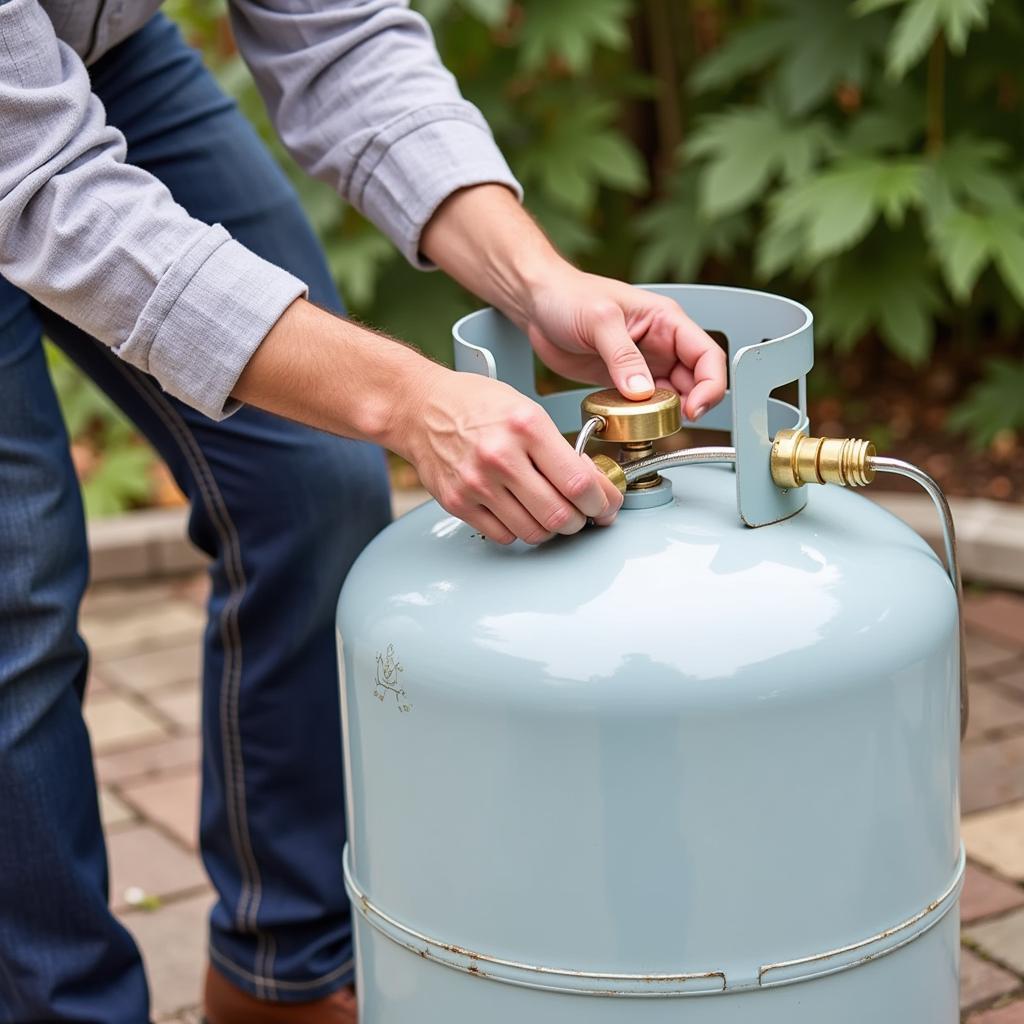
x=426 y=157
x=206 y=318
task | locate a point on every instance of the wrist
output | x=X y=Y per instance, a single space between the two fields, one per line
x=484 y=239
x=397 y=413
x=521 y=275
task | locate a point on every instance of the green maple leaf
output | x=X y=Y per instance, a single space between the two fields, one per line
x=994 y=404
x=967 y=242
x=837 y=208
x=572 y=30
x=921 y=21
x=746 y=148
x=677 y=237
x=969 y=171
x=886 y=286
x=806 y=73
x=580 y=154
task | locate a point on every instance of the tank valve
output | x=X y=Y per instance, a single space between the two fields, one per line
x=634 y=425
x=797 y=459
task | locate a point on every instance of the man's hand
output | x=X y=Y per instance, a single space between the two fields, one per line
x=596 y=329
x=496 y=460
x=584 y=327
x=489 y=455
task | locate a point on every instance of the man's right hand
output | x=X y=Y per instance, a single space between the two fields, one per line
x=495 y=459
x=488 y=454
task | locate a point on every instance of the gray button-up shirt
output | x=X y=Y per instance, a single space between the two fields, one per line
x=357 y=93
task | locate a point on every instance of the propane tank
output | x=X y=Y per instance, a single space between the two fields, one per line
x=678 y=769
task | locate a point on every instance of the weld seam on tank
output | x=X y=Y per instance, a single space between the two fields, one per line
x=589 y=983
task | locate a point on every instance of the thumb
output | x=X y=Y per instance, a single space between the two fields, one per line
x=626 y=366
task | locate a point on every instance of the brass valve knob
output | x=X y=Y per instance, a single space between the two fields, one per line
x=797 y=459
x=626 y=421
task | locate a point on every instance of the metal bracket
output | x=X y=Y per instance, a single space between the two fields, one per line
x=770 y=344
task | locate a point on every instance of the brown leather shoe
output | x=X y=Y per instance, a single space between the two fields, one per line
x=226 y=1003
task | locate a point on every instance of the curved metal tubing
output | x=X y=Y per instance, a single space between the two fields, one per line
x=670 y=460
x=898 y=467
x=587 y=431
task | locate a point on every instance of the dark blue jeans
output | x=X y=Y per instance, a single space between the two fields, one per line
x=281 y=510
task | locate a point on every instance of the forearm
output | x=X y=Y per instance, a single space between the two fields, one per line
x=484 y=239
x=330 y=373
x=361 y=99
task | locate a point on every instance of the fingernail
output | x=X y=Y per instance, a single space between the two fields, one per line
x=699 y=411
x=638 y=382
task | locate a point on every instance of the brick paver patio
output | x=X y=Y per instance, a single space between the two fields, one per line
x=142 y=707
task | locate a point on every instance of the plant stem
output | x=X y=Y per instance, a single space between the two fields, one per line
x=936 y=95
x=669 y=115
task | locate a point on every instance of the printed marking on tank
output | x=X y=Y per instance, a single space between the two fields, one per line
x=388 y=679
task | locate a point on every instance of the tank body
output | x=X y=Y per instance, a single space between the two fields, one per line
x=671 y=770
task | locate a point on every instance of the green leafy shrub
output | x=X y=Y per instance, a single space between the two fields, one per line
x=865 y=157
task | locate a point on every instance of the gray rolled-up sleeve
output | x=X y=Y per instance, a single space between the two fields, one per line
x=361 y=99
x=104 y=245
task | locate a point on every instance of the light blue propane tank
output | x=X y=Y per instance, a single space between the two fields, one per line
x=676 y=770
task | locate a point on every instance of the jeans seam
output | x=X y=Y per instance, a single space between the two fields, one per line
x=251 y=894
x=290 y=986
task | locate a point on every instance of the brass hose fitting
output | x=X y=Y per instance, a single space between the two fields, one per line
x=612 y=470
x=797 y=459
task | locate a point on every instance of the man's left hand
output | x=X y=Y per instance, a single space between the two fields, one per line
x=602 y=331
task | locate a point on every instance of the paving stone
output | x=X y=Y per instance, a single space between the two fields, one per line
x=992 y=773
x=144 y=762
x=152 y=670
x=173 y=555
x=194 y=588
x=998 y=615
x=996 y=839
x=1013 y=1013
x=150 y=627
x=982 y=982
x=109 y=600
x=173 y=944
x=985 y=895
x=172 y=801
x=182 y=706
x=993 y=710
x=116 y=722
x=1001 y=939
x=193 y=1015
x=1011 y=679
x=984 y=654
x=95 y=685
x=143 y=857
x=114 y=812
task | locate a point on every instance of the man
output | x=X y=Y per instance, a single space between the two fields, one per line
x=117 y=154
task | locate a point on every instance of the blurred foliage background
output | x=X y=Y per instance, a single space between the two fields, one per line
x=865 y=157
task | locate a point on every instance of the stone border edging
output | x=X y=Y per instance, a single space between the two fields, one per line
x=990 y=534
x=153 y=542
